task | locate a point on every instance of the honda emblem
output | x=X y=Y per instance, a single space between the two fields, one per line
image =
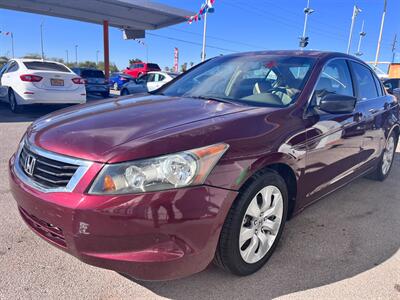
x=29 y=165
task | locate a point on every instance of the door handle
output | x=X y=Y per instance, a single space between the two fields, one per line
x=373 y=110
x=358 y=116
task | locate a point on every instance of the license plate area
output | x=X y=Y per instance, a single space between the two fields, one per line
x=57 y=82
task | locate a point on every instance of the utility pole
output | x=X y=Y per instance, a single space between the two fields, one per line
x=41 y=39
x=12 y=44
x=304 y=39
x=394 y=47
x=66 y=51
x=76 y=55
x=362 y=35
x=356 y=11
x=203 y=52
x=97 y=57
x=378 y=49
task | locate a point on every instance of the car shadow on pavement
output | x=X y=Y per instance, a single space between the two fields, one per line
x=29 y=114
x=32 y=112
x=349 y=232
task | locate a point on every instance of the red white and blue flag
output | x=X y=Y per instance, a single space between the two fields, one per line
x=206 y=7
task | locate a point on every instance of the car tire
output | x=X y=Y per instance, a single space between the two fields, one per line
x=247 y=242
x=115 y=86
x=124 y=92
x=14 y=106
x=106 y=94
x=385 y=164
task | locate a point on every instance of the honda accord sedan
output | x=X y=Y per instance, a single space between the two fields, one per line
x=209 y=167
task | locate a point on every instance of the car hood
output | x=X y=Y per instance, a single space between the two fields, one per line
x=93 y=131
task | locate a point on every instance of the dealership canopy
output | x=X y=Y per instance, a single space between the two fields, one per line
x=134 y=16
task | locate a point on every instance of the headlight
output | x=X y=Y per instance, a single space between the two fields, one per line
x=177 y=170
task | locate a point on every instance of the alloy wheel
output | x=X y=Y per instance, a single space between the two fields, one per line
x=261 y=223
x=388 y=155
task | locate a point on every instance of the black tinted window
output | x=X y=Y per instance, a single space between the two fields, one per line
x=153 y=66
x=92 y=74
x=45 y=66
x=378 y=86
x=364 y=79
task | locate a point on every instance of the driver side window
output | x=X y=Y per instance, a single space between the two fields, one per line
x=334 y=79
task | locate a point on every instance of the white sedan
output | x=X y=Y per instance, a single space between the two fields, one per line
x=147 y=83
x=32 y=81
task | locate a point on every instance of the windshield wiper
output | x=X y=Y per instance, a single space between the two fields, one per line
x=214 y=98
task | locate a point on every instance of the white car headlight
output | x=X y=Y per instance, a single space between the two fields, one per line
x=176 y=170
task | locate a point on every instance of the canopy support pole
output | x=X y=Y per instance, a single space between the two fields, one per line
x=106 y=49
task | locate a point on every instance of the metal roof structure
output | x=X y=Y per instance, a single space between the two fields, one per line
x=133 y=16
x=124 y=14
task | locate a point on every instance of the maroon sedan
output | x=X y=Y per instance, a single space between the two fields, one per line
x=207 y=168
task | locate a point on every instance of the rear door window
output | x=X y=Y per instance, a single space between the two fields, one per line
x=45 y=66
x=364 y=79
x=13 y=67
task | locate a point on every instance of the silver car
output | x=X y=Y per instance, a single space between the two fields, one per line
x=147 y=83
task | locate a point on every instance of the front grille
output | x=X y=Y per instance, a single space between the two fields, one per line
x=46 y=172
x=43 y=228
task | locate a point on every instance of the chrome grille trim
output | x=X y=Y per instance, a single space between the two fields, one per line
x=83 y=167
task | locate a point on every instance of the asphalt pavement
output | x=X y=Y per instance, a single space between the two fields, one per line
x=345 y=246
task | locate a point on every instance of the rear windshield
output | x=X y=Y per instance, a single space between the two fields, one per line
x=92 y=74
x=45 y=66
x=153 y=66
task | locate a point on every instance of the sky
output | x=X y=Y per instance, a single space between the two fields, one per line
x=236 y=26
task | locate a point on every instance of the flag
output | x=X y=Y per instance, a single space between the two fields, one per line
x=206 y=7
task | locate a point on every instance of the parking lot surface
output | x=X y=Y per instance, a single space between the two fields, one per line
x=345 y=246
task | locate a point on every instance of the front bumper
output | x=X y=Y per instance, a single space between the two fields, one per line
x=152 y=236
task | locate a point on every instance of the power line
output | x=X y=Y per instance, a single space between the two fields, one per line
x=217 y=38
x=191 y=42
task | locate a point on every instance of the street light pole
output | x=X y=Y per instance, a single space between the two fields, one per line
x=394 y=47
x=362 y=34
x=76 y=55
x=203 y=52
x=66 y=51
x=378 y=49
x=356 y=11
x=304 y=39
x=41 y=39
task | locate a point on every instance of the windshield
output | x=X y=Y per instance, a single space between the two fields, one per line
x=261 y=80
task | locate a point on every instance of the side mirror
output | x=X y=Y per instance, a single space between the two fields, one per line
x=337 y=104
x=396 y=93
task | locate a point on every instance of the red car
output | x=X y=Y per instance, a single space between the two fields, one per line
x=209 y=167
x=138 y=69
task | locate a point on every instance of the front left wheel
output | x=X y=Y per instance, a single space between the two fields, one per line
x=254 y=225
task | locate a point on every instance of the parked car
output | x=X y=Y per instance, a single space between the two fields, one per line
x=29 y=81
x=147 y=83
x=138 y=69
x=209 y=167
x=391 y=84
x=95 y=81
x=118 y=79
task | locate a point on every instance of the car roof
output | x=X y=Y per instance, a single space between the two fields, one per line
x=299 y=53
x=21 y=60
